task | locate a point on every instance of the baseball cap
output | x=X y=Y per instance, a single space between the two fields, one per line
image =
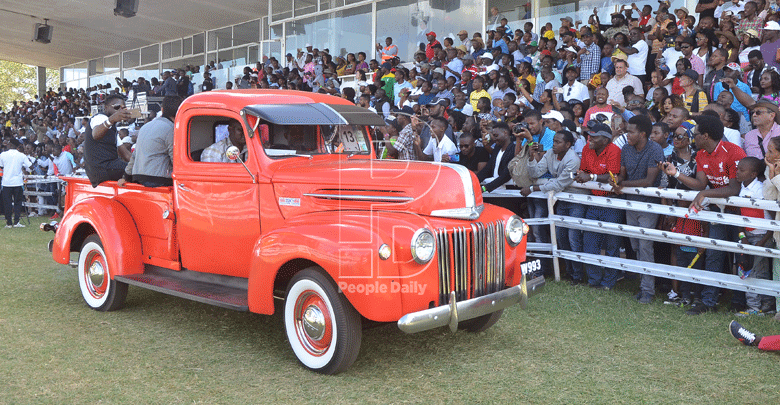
x=487 y=55
x=440 y=101
x=734 y=66
x=463 y=32
x=431 y=33
x=692 y=74
x=553 y=115
x=407 y=110
x=772 y=26
x=599 y=129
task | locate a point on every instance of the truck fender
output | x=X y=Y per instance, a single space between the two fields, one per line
x=354 y=264
x=113 y=224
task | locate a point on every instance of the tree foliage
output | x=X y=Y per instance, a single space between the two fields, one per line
x=18 y=82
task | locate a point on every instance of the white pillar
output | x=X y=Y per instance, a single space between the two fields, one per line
x=41 y=76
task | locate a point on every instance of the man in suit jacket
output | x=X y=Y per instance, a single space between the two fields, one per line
x=496 y=173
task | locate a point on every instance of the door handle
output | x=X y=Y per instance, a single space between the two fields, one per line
x=182 y=187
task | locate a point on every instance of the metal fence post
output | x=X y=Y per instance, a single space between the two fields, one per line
x=553 y=236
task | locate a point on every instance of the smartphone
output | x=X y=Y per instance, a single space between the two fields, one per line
x=135 y=112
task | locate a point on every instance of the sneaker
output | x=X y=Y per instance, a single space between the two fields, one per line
x=674 y=301
x=699 y=308
x=18 y=225
x=55 y=216
x=645 y=299
x=749 y=312
x=8 y=226
x=743 y=335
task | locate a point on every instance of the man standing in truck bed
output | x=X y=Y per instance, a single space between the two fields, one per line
x=102 y=162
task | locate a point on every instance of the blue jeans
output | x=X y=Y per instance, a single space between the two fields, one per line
x=593 y=242
x=715 y=261
x=571 y=239
x=537 y=208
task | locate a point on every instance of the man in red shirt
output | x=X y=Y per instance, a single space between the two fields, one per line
x=429 y=51
x=716 y=166
x=600 y=160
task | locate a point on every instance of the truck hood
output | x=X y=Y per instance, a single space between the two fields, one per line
x=443 y=190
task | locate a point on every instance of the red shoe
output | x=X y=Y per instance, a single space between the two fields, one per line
x=55 y=216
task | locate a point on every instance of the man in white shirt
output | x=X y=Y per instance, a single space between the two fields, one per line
x=573 y=89
x=13 y=162
x=637 y=54
x=440 y=147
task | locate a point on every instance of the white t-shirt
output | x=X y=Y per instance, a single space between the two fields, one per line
x=578 y=92
x=672 y=56
x=446 y=147
x=13 y=162
x=637 y=61
x=733 y=136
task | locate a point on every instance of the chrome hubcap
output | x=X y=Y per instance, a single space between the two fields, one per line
x=97 y=274
x=313 y=322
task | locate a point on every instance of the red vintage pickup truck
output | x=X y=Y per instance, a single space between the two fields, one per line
x=307 y=216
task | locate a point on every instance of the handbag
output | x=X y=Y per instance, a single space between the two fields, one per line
x=518 y=167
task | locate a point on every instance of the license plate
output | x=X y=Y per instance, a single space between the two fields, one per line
x=532 y=268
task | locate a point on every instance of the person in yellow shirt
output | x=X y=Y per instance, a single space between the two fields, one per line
x=477 y=84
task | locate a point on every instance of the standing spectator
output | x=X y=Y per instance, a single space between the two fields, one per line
x=589 y=57
x=750 y=21
x=599 y=159
x=639 y=161
x=429 y=47
x=694 y=98
x=716 y=167
x=169 y=85
x=621 y=80
x=14 y=163
x=637 y=54
x=561 y=162
x=717 y=63
x=696 y=63
x=389 y=52
x=770 y=43
x=766 y=117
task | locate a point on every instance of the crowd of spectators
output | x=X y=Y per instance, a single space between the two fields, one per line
x=655 y=98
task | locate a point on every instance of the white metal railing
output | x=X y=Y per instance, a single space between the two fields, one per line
x=31 y=180
x=723 y=280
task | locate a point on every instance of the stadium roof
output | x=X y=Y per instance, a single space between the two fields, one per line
x=87 y=29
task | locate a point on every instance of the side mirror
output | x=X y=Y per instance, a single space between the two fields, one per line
x=234 y=154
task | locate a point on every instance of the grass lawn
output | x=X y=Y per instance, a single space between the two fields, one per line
x=571 y=346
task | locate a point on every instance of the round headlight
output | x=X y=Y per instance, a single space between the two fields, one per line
x=515 y=229
x=423 y=246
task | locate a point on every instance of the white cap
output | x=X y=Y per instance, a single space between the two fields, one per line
x=553 y=115
x=772 y=26
x=468 y=110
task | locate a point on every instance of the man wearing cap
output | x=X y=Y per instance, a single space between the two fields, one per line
x=695 y=99
x=750 y=21
x=388 y=52
x=766 y=117
x=716 y=167
x=463 y=37
x=101 y=158
x=770 y=43
x=600 y=158
x=733 y=78
x=637 y=54
x=429 y=51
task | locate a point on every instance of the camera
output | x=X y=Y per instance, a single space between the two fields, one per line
x=520 y=127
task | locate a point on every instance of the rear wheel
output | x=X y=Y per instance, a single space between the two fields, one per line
x=323 y=328
x=481 y=323
x=100 y=292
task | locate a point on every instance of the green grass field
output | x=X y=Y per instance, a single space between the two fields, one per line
x=571 y=346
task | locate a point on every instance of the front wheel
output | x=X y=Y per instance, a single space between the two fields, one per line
x=100 y=292
x=323 y=328
x=481 y=323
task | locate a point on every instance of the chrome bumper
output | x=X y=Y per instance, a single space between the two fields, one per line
x=456 y=312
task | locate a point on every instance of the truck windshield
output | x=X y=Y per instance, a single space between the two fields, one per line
x=292 y=140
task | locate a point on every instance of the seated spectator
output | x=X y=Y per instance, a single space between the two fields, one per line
x=766 y=117
x=474 y=157
x=152 y=161
x=440 y=147
x=102 y=162
x=695 y=99
x=496 y=173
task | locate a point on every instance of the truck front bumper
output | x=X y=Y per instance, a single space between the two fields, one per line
x=456 y=312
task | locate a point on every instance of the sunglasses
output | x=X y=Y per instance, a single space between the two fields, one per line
x=760 y=112
x=681 y=137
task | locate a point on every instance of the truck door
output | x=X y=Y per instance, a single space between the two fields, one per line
x=218 y=208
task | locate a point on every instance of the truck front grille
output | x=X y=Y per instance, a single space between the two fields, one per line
x=471 y=260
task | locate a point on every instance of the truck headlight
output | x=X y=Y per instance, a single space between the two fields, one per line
x=515 y=229
x=423 y=246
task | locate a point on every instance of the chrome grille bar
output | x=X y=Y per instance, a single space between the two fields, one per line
x=471 y=260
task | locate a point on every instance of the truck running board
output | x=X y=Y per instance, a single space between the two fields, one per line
x=222 y=291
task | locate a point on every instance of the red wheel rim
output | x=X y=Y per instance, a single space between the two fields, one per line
x=313 y=324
